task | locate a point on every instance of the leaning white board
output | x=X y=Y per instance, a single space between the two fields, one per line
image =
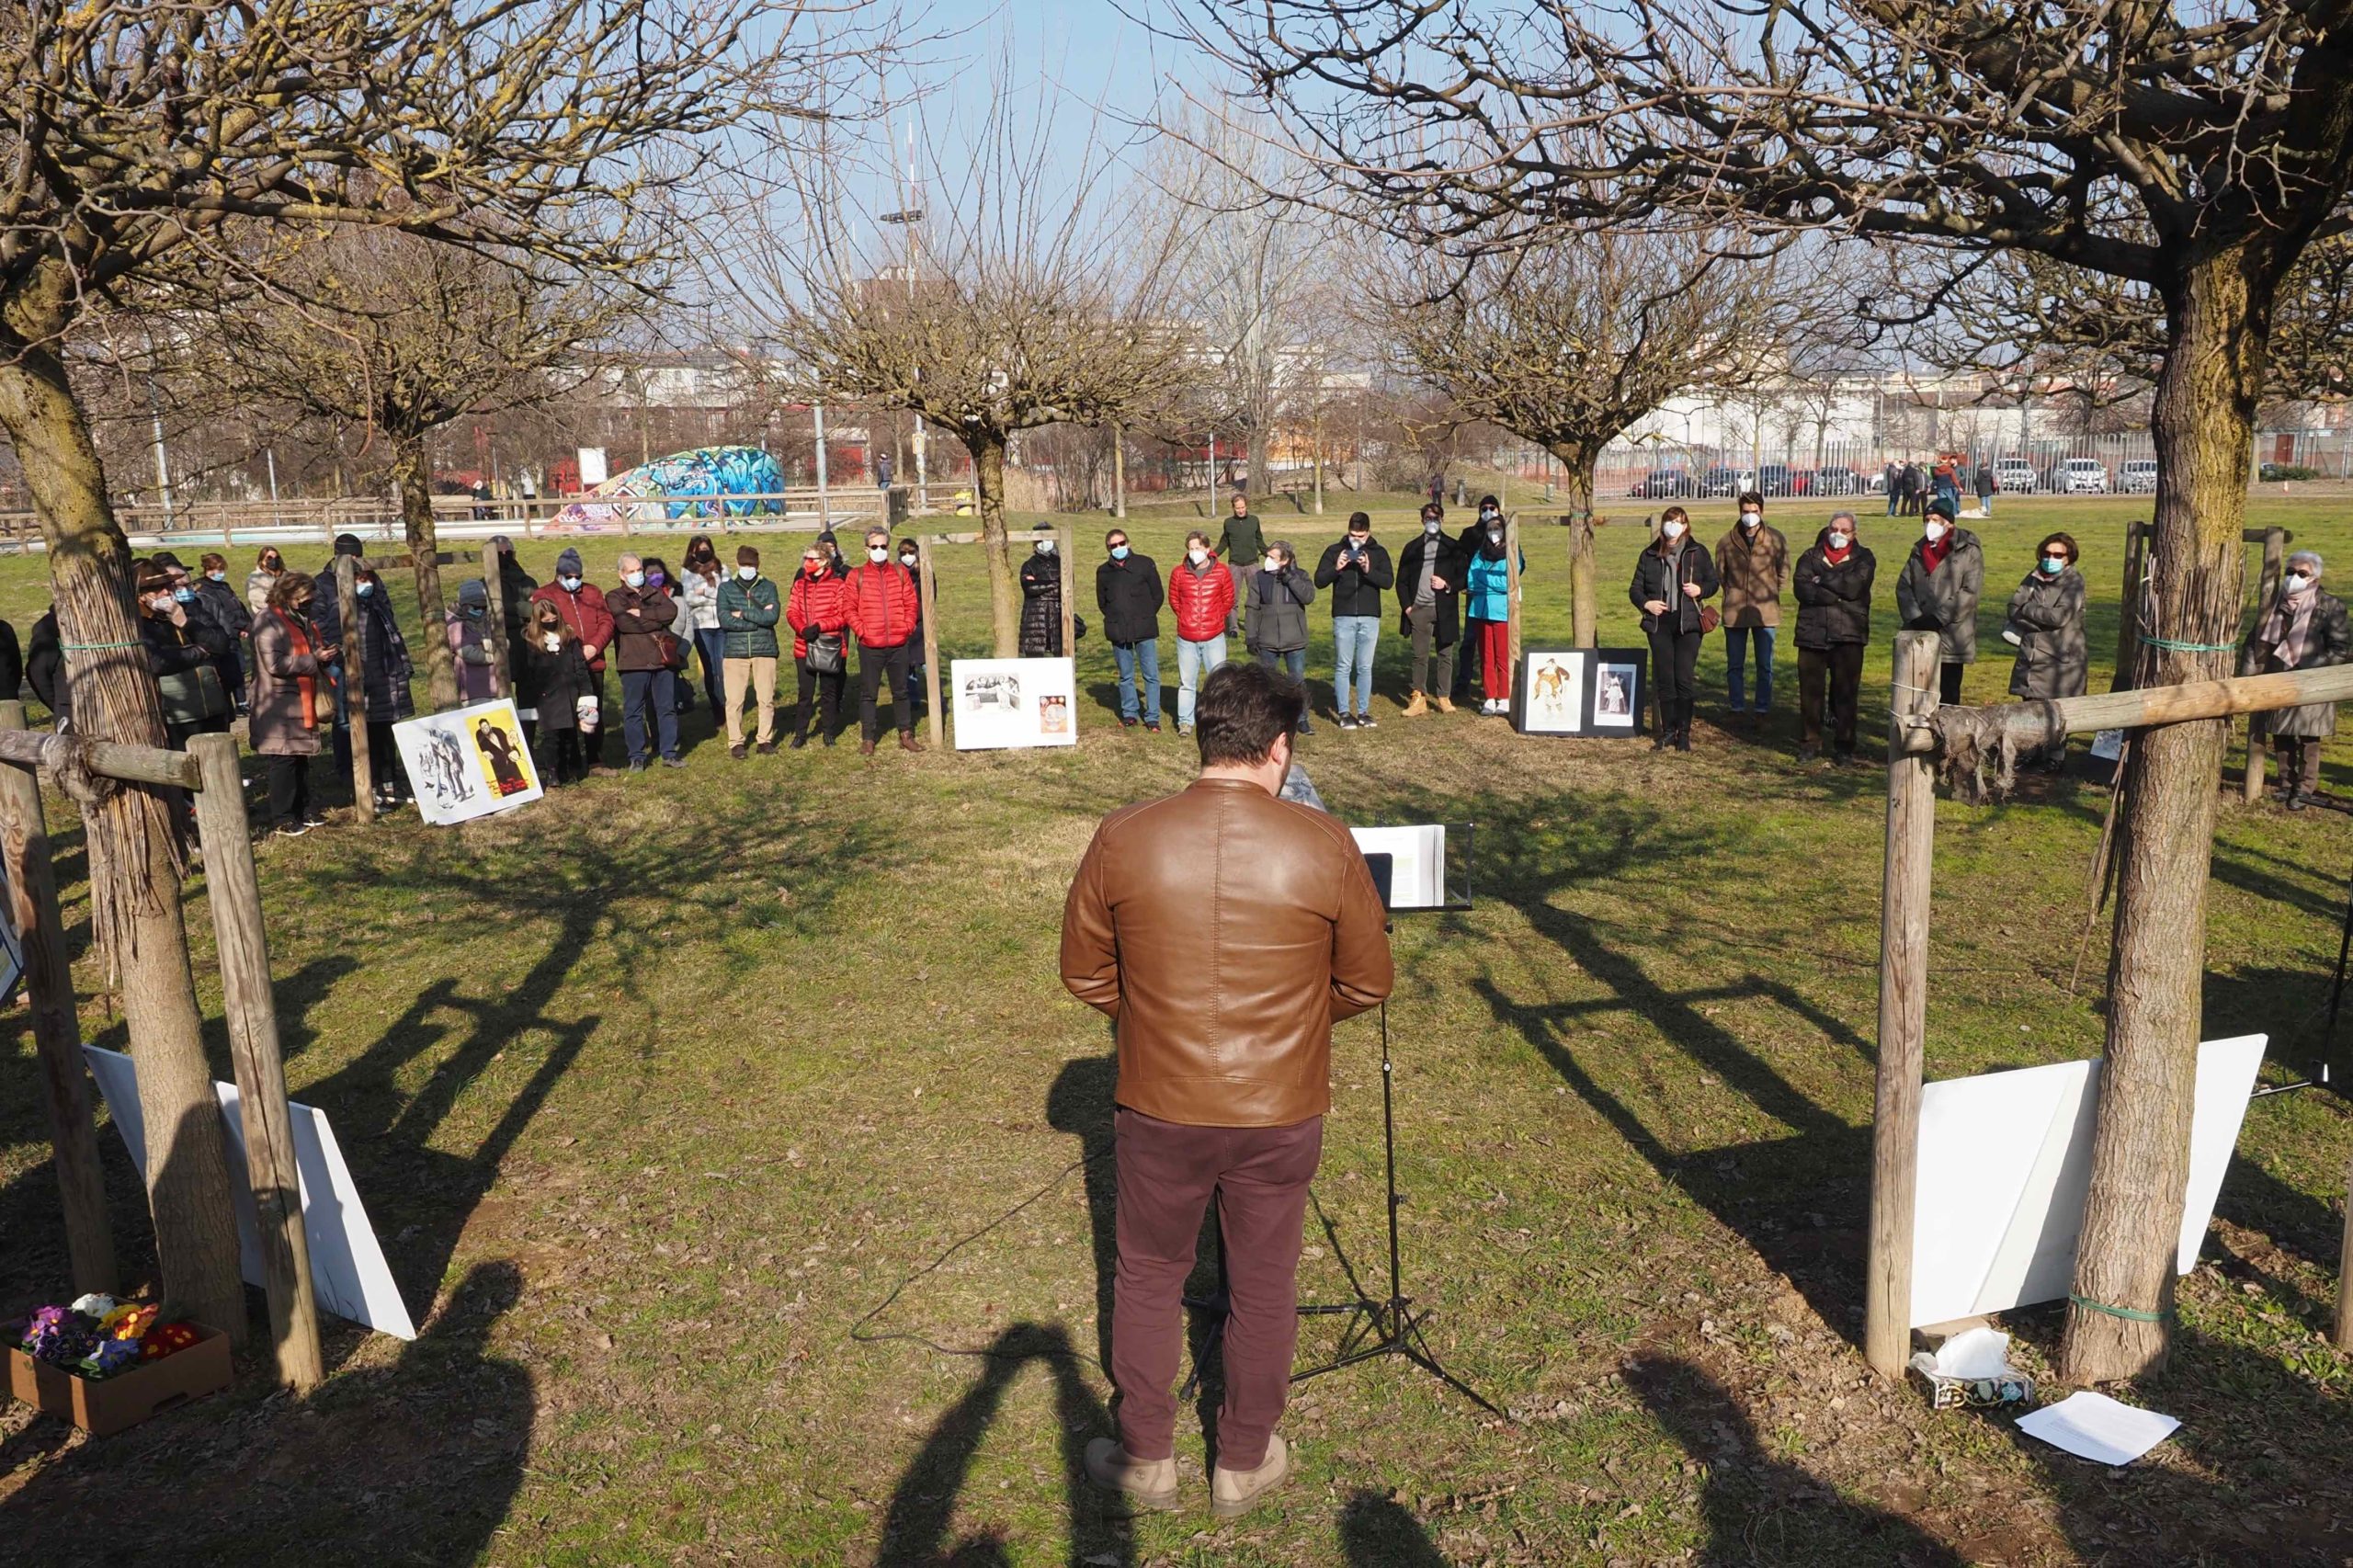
x=999 y=703
x=2005 y=1162
x=347 y=1266
x=1417 y=862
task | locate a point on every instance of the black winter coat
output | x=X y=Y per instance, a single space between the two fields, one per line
x=1834 y=600
x=385 y=668
x=45 y=665
x=1130 y=596
x=1358 y=590
x=1451 y=565
x=1653 y=580
x=12 y=665
x=516 y=587
x=1041 y=608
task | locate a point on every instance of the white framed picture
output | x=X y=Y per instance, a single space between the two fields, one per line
x=1004 y=703
x=1618 y=692
x=468 y=761
x=1549 y=697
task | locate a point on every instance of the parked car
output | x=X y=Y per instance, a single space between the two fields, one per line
x=2079 y=476
x=1662 y=483
x=2137 y=477
x=1836 y=480
x=1777 y=479
x=2016 y=476
x=1722 y=481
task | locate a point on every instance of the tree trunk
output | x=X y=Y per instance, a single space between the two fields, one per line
x=1577 y=463
x=2204 y=421
x=413 y=476
x=134 y=836
x=1261 y=482
x=1005 y=589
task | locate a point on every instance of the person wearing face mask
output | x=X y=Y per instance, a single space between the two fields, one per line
x=642 y=614
x=1753 y=560
x=1673 y=580
x=819 y=615
x=267 y=568
x=1128 y=592
x=207 y=630
x=1274 y=623
x=912 y=559
x=1356 y=571
x=1469 y=659
x=883 y=604
x=2306 y=630
x=1430 y=586
x=698 y=594
x=2046 y=626
x=747 y=612
x=468 y=629
x=516 y=587
x=1202 y=592
x=1833 y=586
x=290 y=700
x=227 y=610
x=1938 y=591
x=1487 y=585
x=193 y=700
x=386 y=673
x=1244 y=541
x=551 y=650
x=582 y=605
x=677 y=641
x=1042 y=601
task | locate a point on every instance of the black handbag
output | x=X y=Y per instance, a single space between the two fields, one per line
x=826 y=653
x=191 y=697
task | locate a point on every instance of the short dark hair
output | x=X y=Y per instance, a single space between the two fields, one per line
x=1359 y=521
x=1114 y=533
x=1243 y=709
x=747 y=555
x=2074 y=554
x=1752 y=498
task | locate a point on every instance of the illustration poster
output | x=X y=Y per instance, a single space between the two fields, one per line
x=1001 y=703
x=1549 y=697
x=468 y=762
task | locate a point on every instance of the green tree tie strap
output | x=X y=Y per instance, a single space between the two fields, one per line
x=97 y=647
x=2170 y=646
x=2131 y=1314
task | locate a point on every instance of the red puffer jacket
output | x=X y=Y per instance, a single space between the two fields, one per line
x=818 y=605
x=882 y=605
x=1203 y=600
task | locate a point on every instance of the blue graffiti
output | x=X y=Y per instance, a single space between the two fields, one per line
x=688 y=484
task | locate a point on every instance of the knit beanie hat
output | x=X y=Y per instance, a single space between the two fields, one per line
x=568 y=564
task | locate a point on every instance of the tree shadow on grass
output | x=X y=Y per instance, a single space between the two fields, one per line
x=1376 y=1532
x=918 y=1531
x=414 y=1462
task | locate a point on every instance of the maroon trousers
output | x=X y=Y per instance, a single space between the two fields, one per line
x=1166 y=1174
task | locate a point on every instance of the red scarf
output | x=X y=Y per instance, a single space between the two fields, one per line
x=307 y=685
x=1934 y=551
x=1838 y=557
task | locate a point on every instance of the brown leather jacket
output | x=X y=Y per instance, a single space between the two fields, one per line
x=1225 y=931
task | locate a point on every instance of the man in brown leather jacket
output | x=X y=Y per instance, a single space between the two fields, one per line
x=1224 y=931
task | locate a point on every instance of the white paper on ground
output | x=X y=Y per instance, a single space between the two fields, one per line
x=2096 y=1427
x=347 y=1268
x=1416 y=863
x=2005 y=1163
x=1978 y=1353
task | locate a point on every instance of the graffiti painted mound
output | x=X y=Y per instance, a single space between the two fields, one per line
x=707 y=483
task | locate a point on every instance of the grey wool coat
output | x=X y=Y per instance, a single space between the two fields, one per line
x=1944 y=601
x=2048 y=615
x=2328 y=640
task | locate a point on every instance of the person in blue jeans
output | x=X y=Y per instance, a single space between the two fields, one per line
x=1753 y=561
x=1357 y=572
x=1201 y=596
x=1274 y=623
x=1128 y=592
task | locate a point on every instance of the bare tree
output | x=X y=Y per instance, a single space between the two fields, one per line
x=2196 y=153
x=399 y=336
x=141 y=130
x=1017 y=312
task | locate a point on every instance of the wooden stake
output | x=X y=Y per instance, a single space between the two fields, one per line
x=233 y=893
x=1903 y=1012
x=1585 y=609
x=354 y=680
x=1511 y=578
x=1070 y=640
x=2343 y=1337
x=2128 y=630
x=927 y=586
x=501 y=683
x=57 y=1035
x=2275 y=551
x=1118 y=474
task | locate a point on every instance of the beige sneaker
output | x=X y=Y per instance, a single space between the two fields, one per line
x=1442 y=704
x=1418 y=708
x=1148 y=1483
x=1235 y=1492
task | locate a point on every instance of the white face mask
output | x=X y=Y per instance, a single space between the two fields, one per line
x=1838 y=541
x=2296 y=582
x=1496 y=536
x=1273 y=564
x=878 y=553
x=1045 y=547
x=1429 y=525
x=1197 y=556
x=1750 y=519
x=1935 y=531
x=748 y=574
x=1672 y=530
x=908 y=561
x=634 y=579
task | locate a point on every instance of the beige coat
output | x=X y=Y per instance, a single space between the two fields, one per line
x=1754 y=572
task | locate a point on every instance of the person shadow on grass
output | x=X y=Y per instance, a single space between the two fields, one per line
x=1080 y=1104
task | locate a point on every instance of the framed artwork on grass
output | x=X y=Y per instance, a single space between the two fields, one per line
x=1549 y=697
x=1618 y=688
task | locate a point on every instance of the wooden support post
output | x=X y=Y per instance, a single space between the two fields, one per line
x=57 y=1035
x=1511 y=578
x=927 y=587
x=2128 y=630
x=1070 y=641
x=2266 y=595
x=495 y=632
x=1902 y=1011
x=1120 y=472
x=233 y=894
x=354 y=684
x=1584 y=608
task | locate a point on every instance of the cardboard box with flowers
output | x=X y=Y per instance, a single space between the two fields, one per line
x=104 y=1366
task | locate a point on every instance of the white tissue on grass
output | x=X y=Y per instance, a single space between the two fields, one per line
x=2097 y=1427
x=1975 y=1353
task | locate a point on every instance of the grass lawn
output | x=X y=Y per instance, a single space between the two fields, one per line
x=747 y=1168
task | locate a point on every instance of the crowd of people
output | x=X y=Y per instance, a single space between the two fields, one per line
x=275 y=651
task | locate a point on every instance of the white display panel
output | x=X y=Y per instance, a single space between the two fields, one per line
x=1001 y=703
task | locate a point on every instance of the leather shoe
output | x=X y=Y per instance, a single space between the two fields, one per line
x=866 y=748
x=908 y=742
x=1233 y=1493
x=1148 y=1483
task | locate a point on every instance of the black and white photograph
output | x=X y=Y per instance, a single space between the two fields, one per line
x=1617 y=692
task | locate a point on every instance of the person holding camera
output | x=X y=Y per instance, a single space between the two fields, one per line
x=1223 y=1002
x=1274 y=624
x=1357 y=572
